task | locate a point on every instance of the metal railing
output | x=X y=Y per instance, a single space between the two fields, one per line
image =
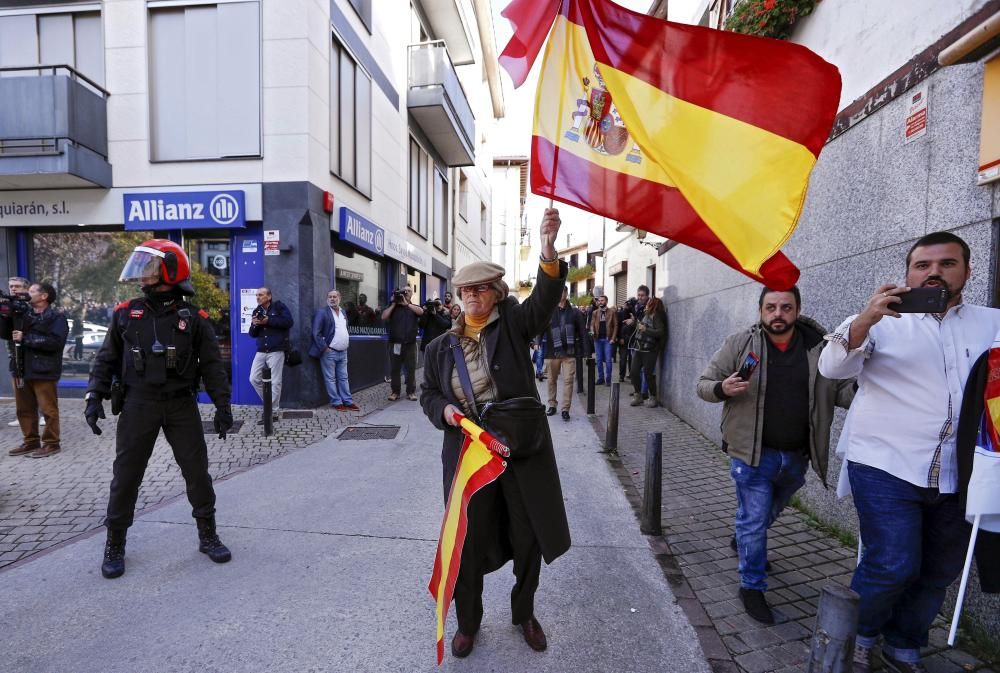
x=430 y=65
x=52 y=70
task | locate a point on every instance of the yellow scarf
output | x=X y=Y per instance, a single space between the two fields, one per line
x=473 y=326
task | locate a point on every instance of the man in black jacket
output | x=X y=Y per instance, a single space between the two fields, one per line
x=564 y=343
x=40 y=335
x=434 y=322
x=402 y=315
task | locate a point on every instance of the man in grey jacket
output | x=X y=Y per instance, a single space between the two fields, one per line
x=775 y=422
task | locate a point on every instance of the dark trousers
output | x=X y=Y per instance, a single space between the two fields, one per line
x=624 y=357
x=644 y=362
x=78 y=348
x=138 y=427
x=497 y=510
x=914 y=544
x=407 y=357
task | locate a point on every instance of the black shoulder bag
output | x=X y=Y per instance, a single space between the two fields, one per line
x=519 y=422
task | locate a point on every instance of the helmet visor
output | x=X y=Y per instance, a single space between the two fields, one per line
x=142 y=266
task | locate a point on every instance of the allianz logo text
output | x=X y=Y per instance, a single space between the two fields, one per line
x=222 y=209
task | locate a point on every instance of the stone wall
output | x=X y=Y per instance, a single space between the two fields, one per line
x=871 y=196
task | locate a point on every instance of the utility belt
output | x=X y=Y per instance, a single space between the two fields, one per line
x=156 y=396
x=158 y=350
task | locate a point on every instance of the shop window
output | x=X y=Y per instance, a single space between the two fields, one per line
x=72 y=39
x=84 y=268
x=210 y=275
x=361 y=283
x=204 y=81
x=350 y=119
x=440 y=211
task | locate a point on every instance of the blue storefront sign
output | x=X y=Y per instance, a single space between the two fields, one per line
x=363 y=233
x=185 y=210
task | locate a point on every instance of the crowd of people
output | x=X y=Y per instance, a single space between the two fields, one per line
x=778 y=382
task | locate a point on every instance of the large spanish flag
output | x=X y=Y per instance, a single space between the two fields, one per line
x=480 y=462
x=706 y=137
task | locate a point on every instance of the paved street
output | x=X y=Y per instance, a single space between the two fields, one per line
x=333 y=546
x=698 y=508
x=47 y=501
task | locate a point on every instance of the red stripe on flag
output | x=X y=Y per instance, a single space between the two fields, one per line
x=531 y=20
x=645 y=204
x=775 y=85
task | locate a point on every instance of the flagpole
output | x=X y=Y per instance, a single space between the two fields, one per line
x=562 y=100
x=965 y=581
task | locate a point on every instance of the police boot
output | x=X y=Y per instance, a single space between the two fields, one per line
x=209 y=542
x=114 y=554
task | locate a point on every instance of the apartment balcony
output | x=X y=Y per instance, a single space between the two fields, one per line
x=53 y=129
x=439 y=105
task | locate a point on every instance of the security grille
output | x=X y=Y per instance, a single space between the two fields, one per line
x=370 y=432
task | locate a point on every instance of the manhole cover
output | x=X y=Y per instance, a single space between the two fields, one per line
x=370 y=432
x=297 y=414
x=209 y=428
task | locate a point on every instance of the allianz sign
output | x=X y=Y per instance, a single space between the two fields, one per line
x=180 y=210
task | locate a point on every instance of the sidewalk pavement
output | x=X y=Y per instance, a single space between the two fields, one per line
x=332 y=550
x=698 y=507
x=47 y=501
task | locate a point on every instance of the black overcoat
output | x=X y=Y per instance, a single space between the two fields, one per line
x=507 y=341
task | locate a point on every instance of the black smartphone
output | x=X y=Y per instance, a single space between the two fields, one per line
x=922 y=300
x=749 y=365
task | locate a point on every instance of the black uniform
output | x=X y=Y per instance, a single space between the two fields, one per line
x=159 y=351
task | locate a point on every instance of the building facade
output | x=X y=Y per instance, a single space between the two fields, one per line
x=296 y=144
x=907 y=156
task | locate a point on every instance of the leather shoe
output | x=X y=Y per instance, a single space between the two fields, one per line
x=565 y=415
x=551 y=411
x=756 y=605
x=21 y=450
x=533 y=635
x=461 y=645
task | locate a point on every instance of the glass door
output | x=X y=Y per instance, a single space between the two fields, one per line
x=210 y=275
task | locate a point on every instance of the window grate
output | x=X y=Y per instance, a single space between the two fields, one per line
x=362 y=432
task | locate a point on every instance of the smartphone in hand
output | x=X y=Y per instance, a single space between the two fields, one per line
x=749 y=365
x=922 y=300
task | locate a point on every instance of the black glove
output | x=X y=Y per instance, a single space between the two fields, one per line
x=223 y=420
x=95 y=410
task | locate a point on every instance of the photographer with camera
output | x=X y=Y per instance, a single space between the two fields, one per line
x=402 y=316
x=269 y=325
x=435 y=321
x=38 y=334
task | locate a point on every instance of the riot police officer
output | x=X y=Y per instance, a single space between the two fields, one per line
x=155 y=352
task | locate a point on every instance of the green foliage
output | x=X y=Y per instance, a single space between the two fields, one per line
x=578 y=273
x=768 y=18
x=207 y=295
x=582 y=300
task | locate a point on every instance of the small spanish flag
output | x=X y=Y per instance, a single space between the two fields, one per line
x=703 y=136
x=480 y=462
x=991 y=396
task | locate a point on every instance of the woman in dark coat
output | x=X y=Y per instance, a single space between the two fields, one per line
x=520 y=516
x=647 y=342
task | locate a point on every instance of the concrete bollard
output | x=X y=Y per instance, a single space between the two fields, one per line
x=611 y=434
x=268 y=411
x=832 y=647
x=652 y=488
x=591 y=387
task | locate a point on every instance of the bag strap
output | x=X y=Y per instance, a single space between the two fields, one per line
x=463 y=373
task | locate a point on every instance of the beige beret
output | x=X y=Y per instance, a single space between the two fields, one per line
x=477 y=273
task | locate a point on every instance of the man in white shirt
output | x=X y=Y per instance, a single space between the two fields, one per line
x=899 y=446
x=330 y=340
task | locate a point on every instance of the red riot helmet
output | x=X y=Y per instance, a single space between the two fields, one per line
x=159 y=261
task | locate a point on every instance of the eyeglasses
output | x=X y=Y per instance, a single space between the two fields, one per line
x=476 y=289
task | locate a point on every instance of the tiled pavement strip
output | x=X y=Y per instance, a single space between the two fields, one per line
x=698 y=507
x=44 y=502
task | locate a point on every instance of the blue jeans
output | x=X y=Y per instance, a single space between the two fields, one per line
x=334 y=364
x=602 y=352
x=761 y=493
x=539 y=361
x=914 y=546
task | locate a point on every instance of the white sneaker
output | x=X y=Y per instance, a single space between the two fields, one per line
x=15 y=422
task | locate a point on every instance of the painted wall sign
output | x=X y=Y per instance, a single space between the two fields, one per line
x=346 y=274
x=916 y=115
x=399 y=248
x=360 y=231
x=182 y=210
